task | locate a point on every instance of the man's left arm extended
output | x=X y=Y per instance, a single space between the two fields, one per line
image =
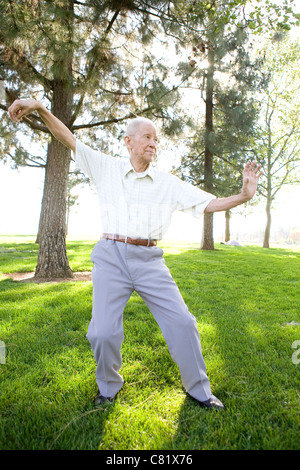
x=251 y=176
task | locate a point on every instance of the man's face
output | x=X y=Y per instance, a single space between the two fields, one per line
x=142 y=144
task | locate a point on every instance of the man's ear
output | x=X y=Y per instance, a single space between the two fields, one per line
x=127 y=141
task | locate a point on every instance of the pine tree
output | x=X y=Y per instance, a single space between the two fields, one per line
x=220 y=147
x=73 y=56
x=218 y=35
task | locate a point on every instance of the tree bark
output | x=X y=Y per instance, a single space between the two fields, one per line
x=266 y=243
x=52 y=257
x=227 y=226
x=207 y=235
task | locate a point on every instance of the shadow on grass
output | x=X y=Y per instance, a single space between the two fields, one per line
x=48 y=382
x=244 y=304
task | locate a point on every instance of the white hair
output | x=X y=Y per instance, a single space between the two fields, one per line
x=135 y=123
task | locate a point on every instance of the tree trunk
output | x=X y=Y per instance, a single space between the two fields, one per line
x=207 y=236
x=52 y=258
x=227 y=226
x=208 y=229
x=266 y=243
x=40 y=222
x=268 y=225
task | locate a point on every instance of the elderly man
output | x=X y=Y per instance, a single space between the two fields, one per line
x=136 y=202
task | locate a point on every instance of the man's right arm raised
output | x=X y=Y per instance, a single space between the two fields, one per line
x=21 y=108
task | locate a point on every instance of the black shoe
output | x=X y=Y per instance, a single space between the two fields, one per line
x=101 y=400
x=212 y=402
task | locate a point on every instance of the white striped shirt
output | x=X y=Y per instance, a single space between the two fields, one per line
x=137 y=205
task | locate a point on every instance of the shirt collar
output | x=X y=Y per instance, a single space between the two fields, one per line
x=128 y=167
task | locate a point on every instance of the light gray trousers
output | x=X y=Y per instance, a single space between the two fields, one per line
x=119 y=269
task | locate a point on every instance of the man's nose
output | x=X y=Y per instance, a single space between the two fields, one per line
x=153 y=143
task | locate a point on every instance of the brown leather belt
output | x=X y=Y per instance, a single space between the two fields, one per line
x=131 y=241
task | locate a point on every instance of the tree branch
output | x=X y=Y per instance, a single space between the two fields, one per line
x=284 y=145
x=36 y=164
x=116 y=14
x=35 y=125
x=101 y=123
x=24 y=63
x=281 y=183
x=90 y=72
x=30 y=120
x=292 y=158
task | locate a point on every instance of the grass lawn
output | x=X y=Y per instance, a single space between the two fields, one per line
x=247 y=304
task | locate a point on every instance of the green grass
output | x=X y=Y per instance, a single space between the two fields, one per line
x=243 y=298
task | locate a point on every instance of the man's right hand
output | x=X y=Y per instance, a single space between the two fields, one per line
x=20 y=108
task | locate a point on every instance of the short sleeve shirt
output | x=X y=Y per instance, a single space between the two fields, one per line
x=137 y=205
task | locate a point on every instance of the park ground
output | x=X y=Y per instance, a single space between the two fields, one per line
x=247 y=305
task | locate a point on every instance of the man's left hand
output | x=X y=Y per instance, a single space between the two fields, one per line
x=251 y=175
